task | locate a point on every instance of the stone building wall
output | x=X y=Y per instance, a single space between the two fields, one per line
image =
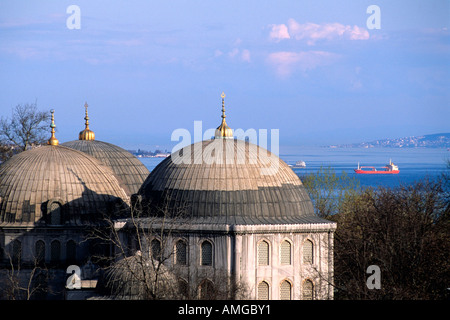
x=235 y=258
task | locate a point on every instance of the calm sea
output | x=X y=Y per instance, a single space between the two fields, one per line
x=415 y=164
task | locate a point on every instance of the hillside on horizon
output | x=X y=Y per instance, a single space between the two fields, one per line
x=436 y=140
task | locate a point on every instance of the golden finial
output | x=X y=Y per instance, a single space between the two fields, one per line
x=53 y=141
x=223 y=105
x=86 y=134
x=223 y=131
x=86 y=117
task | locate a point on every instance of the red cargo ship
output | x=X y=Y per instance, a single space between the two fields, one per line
x=388 y=169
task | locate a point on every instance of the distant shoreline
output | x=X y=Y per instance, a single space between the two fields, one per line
x=437 y=140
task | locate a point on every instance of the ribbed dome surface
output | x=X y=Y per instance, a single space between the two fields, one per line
x=228 y=181
x=130 y=172
x=32 y=180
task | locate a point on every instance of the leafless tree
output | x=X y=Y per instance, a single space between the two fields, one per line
x=328 y=190
x=220 y=285
x=141 y=265
x=404 y=231
x=27 y=127
x=23 y=281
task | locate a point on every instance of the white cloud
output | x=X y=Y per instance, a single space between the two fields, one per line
x=287 y=62
x=237 y=42
x=245 y=55
x=312 y=32
x=279 y=32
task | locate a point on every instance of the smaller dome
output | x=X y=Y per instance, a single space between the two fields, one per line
x=130 y=172
x=57 y=185
x=87 y=134
x=36 y=182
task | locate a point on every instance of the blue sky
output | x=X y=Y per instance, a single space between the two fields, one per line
x=312 y=69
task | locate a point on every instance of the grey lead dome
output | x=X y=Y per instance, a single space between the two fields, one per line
x=130 y=172
x=228 y=181
x=83 y=187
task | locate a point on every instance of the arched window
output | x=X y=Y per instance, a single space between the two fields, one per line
x=55 y=213
x=206 y=254
x=183 y=288
x=263 y=291
x=263 y=253
x=285 y=290
x=206 y=290
x=40 y=251
x=156 y=249
x=180 y=252
x=308 y=257
x=308 y=290
x=55 y=251
x=71 y=251
x=285 y=252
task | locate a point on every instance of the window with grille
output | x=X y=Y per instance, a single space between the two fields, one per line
x=206 y=254
x=263 y=291
x=156 y=249
x=308 y=252
x=181 y=253
x=263 y=253
x=183 y=288
x=285 y=252
x=308 y=290
x=285 y=290
x=207 y=290
x=55 y=251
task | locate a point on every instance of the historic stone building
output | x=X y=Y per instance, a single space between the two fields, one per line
x=235 y=208
x=230 y=211
x=50 y=196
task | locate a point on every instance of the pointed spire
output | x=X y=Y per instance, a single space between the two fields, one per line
x=223 y=105
x=86 y=134
x=223 y=131
x=86 y=117
x=53 y=141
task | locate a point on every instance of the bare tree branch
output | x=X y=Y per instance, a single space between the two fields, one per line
x=27 y=127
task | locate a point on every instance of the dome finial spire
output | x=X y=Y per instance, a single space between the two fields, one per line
x=223 y=131
x=223 y=105
x=53 y=141
x=86 y=134
x=86 y=117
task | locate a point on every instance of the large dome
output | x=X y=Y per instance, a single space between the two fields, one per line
x=35 y=183
x=228 y=181
x=130 y=172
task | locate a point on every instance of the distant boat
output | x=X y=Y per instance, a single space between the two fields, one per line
x=299 y=164
x=161 y=155
x=391 y=168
